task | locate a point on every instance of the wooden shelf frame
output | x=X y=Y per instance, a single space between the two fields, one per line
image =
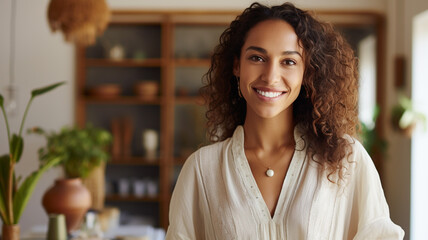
x=131 y=198
x=167 y=100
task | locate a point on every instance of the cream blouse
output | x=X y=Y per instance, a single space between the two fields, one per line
x=216 y=197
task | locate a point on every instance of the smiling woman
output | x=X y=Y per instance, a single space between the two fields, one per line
x=270 y=69
x=285 y=164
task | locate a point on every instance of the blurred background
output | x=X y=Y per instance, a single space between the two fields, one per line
x=139 y=80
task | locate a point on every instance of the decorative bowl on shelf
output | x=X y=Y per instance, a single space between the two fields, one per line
x=147 y=90
x=105 y=90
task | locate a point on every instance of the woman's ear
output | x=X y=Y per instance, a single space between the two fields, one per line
x=236 y=67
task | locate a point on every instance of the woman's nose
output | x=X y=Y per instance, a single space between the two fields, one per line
x=271 y=73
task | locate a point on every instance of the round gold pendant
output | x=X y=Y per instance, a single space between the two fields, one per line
x=270 y=172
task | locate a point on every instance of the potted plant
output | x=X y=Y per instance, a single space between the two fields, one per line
x=405 y=117
x=371 y=140
x=81 y=150
x=14 y=194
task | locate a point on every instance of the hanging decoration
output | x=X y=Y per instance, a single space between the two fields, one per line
x=81 y=21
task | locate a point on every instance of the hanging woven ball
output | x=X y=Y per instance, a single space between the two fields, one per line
x=81 y=21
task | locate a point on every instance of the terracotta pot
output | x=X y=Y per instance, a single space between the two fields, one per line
x=408 y=131
x=10 y=232
x=69 y=197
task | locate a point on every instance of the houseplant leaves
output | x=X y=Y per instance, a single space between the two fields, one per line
x=24 y=192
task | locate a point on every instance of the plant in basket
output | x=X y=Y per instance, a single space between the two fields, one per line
x=81 y=150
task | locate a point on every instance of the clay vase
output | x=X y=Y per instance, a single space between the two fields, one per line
x=69 y=197
x=10 y=232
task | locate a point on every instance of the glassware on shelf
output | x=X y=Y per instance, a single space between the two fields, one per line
x=90 y=228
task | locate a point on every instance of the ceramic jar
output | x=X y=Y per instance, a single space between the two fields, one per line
x=69 y=197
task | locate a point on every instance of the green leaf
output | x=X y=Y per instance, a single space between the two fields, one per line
x=4 y=172
x=17 y=146
x=1 y=100
x=43 y=90
x=24 y=192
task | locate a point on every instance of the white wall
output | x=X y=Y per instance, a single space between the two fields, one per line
x=43 y=58
x=419 y=163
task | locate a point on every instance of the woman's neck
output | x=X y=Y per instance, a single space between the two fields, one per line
x=269 y=134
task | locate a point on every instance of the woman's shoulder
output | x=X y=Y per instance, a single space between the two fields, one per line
x=209 y=154
x=357 y=161
x=213 y=149
x=357 y=150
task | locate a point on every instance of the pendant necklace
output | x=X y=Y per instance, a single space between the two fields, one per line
x=269 y=172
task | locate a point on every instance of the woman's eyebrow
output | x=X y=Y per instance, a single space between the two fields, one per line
x=258 y=49
x=262 y=50
x=292 y=52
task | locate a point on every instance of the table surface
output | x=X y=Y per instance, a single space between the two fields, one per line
x=39 y=232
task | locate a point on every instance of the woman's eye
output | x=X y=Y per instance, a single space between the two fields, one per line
x=256 y=59
x=289 y=62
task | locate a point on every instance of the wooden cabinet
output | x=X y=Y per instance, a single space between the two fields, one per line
x=171 y=51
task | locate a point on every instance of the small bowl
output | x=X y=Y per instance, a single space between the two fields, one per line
x=147 y=90
x=106 y=90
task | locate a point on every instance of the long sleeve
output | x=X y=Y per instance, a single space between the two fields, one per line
x=369 y=202
x=188 y=212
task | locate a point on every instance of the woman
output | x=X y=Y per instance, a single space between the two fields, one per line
x=282 y=94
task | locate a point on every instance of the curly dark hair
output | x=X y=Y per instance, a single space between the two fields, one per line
x=326 y=107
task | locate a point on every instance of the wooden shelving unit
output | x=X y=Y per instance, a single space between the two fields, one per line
x=119 y=198
x=124 y=63
x=176 y=46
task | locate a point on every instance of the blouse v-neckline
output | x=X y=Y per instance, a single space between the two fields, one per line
x=289 y=185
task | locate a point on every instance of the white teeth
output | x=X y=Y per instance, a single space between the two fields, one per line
x=268 y=94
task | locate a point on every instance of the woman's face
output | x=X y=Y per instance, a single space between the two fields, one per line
x=270 y=68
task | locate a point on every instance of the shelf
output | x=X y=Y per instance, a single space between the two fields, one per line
x=198 y=100
x=134 y=161
x=192 y=62
x=131 y=198
x=176 y=55
x=95 y=62
x=122 y=100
